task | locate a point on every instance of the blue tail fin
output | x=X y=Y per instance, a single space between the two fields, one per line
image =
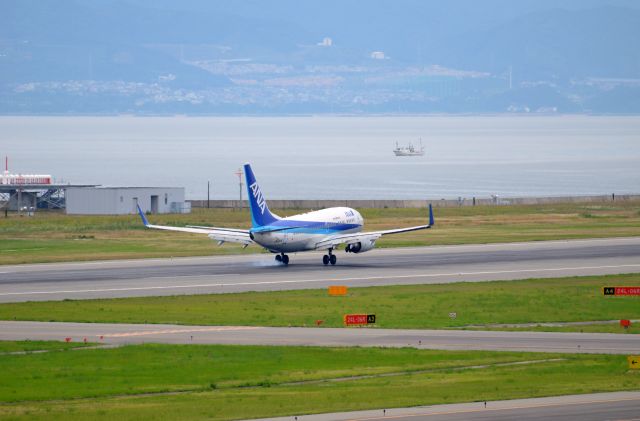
x=260 y=214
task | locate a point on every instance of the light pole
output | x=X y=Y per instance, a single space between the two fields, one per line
x=239 y=174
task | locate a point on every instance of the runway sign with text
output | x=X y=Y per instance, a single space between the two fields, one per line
x=621 y=290
x=337 y=290
x=359 y=319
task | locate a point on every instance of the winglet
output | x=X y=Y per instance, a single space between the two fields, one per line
x=144 y=218
x=431 y=220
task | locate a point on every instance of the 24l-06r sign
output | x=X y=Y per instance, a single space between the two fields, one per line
x=621 y=290
x=359 y=319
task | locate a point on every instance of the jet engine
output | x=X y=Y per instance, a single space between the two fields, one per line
x=360 y=247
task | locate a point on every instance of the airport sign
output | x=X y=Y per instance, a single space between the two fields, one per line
x=359 y=319
x=621 y=290
x=337 y=290
x=634 y=362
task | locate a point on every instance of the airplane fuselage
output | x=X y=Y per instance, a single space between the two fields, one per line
x=302 y=232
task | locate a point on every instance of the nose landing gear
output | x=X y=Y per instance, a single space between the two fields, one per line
x=282 y=258
x=329 y=258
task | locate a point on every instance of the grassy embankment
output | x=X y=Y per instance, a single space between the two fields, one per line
x=233 y=382
x=574 y=299
x=52 y=236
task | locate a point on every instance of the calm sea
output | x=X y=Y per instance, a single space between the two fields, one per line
x=335 y=157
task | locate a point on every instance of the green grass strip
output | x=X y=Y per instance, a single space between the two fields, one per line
x=211 y=381
x=155 y=368
x=79 y=238
x=403 y=306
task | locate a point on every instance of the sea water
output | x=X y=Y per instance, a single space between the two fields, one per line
x=335 y=157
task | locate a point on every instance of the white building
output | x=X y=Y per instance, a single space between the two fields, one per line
x=125 y=200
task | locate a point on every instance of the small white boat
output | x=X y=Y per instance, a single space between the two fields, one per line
x=409 y=150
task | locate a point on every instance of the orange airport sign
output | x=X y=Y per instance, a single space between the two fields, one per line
x=621 y=290
x=337 y=290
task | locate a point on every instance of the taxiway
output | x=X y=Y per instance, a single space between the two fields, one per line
x=588 y=407
x=598 y=343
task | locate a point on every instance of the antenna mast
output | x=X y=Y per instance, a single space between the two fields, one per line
x=239 y=174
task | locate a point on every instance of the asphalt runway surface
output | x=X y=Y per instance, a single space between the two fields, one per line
x=259 y=272
x=590 y=407
x=599 y=343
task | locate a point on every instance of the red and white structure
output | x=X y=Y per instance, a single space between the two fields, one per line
x=22 y=179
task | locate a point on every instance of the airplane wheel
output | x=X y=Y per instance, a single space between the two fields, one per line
x=325 y=259
x=333 y=259
x=278 y=258
x=285 y=259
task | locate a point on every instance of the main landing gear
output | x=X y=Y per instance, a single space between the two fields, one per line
x=329 y=258
x=282 y=258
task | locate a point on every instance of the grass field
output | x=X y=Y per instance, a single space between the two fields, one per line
x=53 y=236
x=403 y=306
x=232 y=382
x=28 y=346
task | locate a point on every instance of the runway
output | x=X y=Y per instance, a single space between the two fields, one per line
x=590 y=407
x=593 y=343
x=222 y=274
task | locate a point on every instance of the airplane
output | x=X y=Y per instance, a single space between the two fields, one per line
x=324 y=229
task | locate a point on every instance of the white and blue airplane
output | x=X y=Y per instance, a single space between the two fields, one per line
x=324 y=229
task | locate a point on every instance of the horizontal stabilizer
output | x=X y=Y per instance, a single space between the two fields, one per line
x=347 y=239
x=229 y=237
x=270 y=228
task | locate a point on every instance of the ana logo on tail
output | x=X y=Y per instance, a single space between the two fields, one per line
x=257 y=194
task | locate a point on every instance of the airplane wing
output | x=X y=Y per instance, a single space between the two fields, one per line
x=369 y=237
x=221 y=235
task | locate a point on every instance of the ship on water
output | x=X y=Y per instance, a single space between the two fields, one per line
x=409 y=150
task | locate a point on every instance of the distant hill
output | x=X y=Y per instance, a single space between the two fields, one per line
x=202 y=57
x=557 y=44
